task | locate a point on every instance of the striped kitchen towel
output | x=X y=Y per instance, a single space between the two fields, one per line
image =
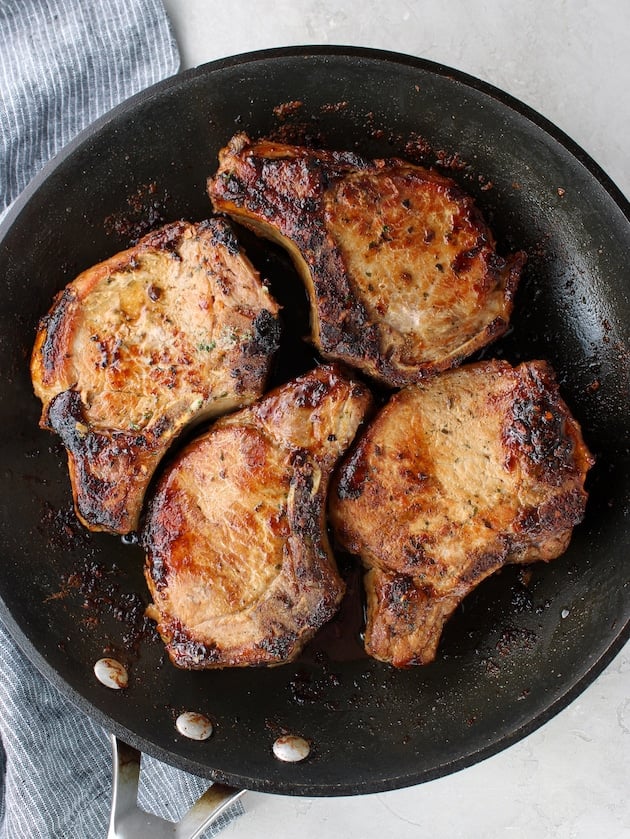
x=56 y=764
x=63 y=63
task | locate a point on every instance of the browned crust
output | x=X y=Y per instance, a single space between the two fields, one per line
x=285 y=619
x=50 y=358
x=542 y=431
x=280 y=192
x=111 y=466
x=419 y=562
x=309 y=421
x=109 y=471
x=404 y=618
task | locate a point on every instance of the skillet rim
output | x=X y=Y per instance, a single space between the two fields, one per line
x=181 y=79
x=314 y=50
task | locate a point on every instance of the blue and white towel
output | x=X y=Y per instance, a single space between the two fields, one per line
x=63 y=63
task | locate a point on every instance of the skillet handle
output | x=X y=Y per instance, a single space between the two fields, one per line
x=128 y=821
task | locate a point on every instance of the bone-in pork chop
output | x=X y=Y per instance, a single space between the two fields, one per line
x=478 y=467
x=401 y=269
x=172 y=331
x=238 y=561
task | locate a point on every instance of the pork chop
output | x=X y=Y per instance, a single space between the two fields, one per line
x=401 y=269
x=238 y=561
x=169 y=332
x=456 y=477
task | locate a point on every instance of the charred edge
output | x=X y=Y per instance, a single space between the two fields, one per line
x=310 y=393
x=495 y=265
x=351 y=335
x=53 y=324
x=187 y=653
x=414 y=552
x=353 y=476
x=560 y=514
x=538 y=430
x=319 y=612
x=228 y=186
x=506 y=272
x=345 y=327
x=222 y=234
x=252 y=183
x=163 y=425
x=158 y=533
x=496 y=328
x=328 y=605
x=307 y=509
x=99 y=501
x=485 y=562
x=167 y=238
x=65 y=417
x=464 y=260
x=401 y=595
x=278 y=647
x=265 y=189
x=267 y=332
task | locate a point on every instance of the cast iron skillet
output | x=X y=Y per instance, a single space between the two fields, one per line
x=520 y=648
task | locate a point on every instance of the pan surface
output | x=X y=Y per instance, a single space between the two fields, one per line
x=522 y=646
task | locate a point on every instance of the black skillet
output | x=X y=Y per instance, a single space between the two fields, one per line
x=522 y=646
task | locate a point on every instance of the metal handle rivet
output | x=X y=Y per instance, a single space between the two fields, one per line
x=193 y=725
x=290 y=748
x=111 y=673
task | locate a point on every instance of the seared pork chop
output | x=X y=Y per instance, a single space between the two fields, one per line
x=238 y=561
x=478 y=467
x=174 y=330
x=401 y=269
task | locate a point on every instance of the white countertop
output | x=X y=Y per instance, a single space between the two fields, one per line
x=570 y=61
